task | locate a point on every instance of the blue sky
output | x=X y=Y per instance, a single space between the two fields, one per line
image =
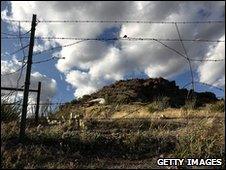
x=65 y=90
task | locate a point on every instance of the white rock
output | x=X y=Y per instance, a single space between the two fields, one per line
x=98 y=100
x=162 y=116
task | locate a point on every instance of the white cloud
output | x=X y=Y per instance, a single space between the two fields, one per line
x=90 y=65
x=81 y=81
x=48 y=87
x=214 y=72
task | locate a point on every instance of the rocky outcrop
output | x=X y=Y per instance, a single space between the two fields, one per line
x=147 y=90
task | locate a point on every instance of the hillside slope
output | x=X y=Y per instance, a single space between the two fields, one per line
x=134 y=141
x=146 y=91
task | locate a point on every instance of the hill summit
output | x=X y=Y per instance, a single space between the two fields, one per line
x=147 y=90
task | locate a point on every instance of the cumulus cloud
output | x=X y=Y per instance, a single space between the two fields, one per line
x=90 y=65
x=48 y=88
x=217 y=74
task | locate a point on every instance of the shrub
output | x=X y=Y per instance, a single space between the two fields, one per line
x=107 y=99
x=159 y=104
x=190 y=104
x=122 y=99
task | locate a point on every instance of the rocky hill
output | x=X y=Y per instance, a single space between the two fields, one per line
x=147 y=90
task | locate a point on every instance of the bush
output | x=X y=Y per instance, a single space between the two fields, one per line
x=122 y=99
x=159 y=104
x=190 y=104
x=107 y=99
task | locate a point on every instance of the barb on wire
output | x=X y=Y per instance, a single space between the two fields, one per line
x=54 y=48
x=42 y=61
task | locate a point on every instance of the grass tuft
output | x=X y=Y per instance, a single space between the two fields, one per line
x=159 y=104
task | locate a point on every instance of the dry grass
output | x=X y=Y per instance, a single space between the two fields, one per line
x=128 y=136
x=142 y=111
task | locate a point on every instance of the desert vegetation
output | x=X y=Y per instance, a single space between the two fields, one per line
x=135 y=141
x=120 y=133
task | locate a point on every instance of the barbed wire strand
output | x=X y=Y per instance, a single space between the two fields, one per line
x=182 y=55
x=21 y=71
x=214 y=60
x=198 y=82
x=4 y=33
x=186 y=54
x=42 y=61
x=128 y=39
x=15 y=35
x=22 y=48
x=54 y=48
x=172 y=49
x=15 y=71
x=133 y=39
x=121 y=21
x=117 y=39
x=9 y=94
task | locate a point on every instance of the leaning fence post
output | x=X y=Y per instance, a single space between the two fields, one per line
x=38 y=100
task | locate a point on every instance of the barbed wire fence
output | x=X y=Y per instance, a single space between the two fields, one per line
x=80 y=40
